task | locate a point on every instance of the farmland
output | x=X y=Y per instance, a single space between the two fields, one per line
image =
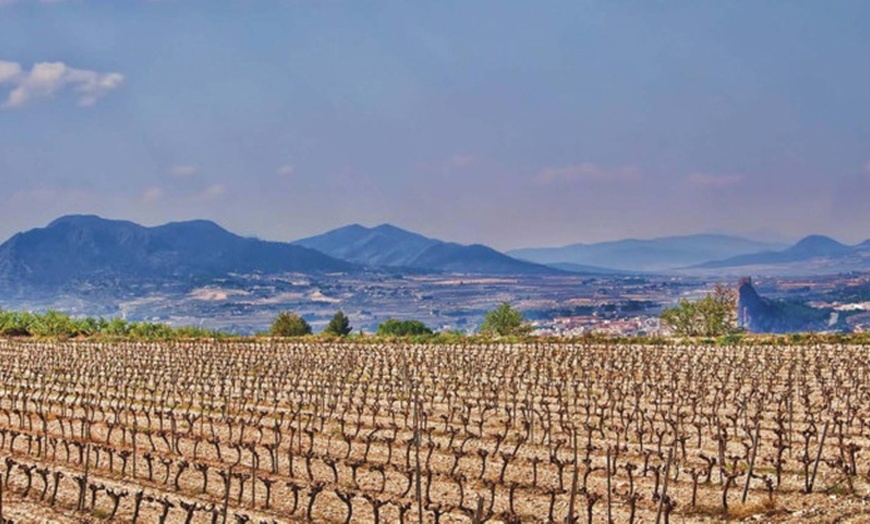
x=200 y=432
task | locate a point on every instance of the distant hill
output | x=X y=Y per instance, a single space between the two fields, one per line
x=658 y=254
x=387 y=246
x=80 y=248
x=818 y=245
x=814 y=253
x=589 y=270
x=380 y=246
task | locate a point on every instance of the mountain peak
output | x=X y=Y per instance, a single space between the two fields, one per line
x=819 y=245
x=812 y=247
x=86 y=248
x=386 y=245
x=390 y=228
x=657 y=254
x=198 y=223
x=83 y=220
x=195 y=227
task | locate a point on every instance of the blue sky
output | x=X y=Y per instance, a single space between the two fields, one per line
x=511 y=123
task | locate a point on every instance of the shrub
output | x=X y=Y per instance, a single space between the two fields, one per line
x=290 y=325
x=403 y=328
x=505 y=321
x=715 y=315
x=339 y=325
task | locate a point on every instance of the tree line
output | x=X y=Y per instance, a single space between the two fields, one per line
x=503 y=321
x=55 y=324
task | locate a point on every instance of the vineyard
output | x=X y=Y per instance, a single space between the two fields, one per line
x=260 y=432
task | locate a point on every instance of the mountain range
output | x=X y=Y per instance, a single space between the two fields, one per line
x=658 y=254
x=87 y=248
x=711 y=254
x=78 y=248
x=815 y=253
x=387 y=246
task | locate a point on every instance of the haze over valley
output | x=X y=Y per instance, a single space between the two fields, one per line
x=199 y=273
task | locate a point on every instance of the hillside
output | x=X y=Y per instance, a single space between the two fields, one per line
x=80 y=248
x=387 y=246
x=815 y=253
x=656 y=254
x=381 y=246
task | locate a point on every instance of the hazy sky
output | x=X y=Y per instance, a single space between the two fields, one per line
x=512 y=123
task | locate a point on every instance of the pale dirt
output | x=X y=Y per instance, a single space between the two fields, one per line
x=830 y=502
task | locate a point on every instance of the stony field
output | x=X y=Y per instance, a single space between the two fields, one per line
x=263 y=432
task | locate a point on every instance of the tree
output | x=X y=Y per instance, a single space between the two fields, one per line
x=290 y=325
x=52 y=324
x=712 y=316
x=88 y=326
x=339 y=325
x=117 y=327
x=15 y=324
x=505 y=321
x=403 y=328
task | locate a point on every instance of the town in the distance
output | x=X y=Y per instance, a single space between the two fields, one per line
x=198 y=274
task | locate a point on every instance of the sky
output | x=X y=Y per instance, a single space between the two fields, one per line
x=509 y=123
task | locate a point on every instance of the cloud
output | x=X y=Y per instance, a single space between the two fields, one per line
x=152 y=195
x=9 y=71
x=704 y=180
x=285 y=170
x=589 y=172
x=45 y=79
x=213 y=192
x=183 y=170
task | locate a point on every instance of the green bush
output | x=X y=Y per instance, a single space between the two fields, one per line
x=290 y=325
x=403 y=328
x=339 y=325
x=715 y=315
x=505 y=321
x=57 y=325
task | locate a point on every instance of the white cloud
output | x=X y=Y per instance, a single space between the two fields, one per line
x=152 y=195
x=9 y=71
x=45 y=79
x=212 y=192
x=714 y=181
x=589 y=172
x=285 y=170
x=183 y=170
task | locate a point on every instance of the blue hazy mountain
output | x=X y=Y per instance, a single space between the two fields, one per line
x=81 y=248
x=382 y=246
x=387 y=246
x=657 y=254
x=589 y=270
x=811 y=248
